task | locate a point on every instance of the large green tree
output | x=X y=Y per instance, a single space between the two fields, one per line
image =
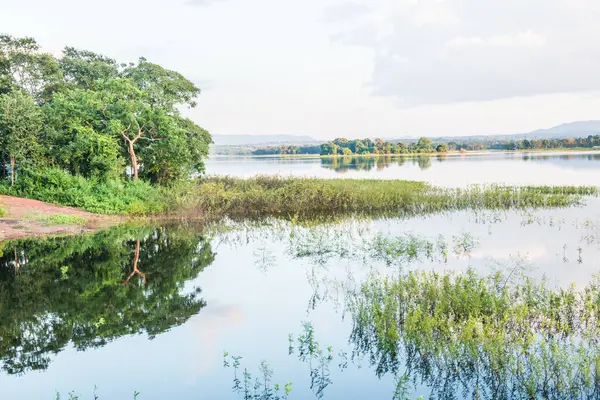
x=100 y=118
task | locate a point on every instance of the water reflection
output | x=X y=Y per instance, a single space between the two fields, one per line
x=391 y=329
x=89 y=290
x=449 y=170
x=378 y=163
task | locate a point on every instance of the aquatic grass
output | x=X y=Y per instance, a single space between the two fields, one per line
x=261 y=387
x=74 y=396
x=481 y=337
x=304 y=198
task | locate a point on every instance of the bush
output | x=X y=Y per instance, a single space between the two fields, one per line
x=113 y=196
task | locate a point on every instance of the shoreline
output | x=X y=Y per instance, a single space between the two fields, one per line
x=433 y=154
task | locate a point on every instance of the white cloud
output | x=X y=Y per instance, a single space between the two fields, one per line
x=436 y=52
x=524 y=39
x=203 y=2
x=271 y=67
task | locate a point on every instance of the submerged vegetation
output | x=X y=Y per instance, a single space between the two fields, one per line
x=481 y=337
x=462 y=336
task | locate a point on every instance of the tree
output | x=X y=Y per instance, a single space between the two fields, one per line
x=23 y=67
x=76 y=131
x=84 y=69
x=379 y=145
x=164 y=88
x=20 y=124
x=102 y=119
x=442 y=148
x=329 y=148
x=424 y=144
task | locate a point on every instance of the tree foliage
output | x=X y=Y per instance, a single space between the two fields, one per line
x=94 y=117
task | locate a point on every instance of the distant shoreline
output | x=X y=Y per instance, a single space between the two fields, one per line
x=557 y=151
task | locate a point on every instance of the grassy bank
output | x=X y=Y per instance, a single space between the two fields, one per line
x=283 y=197
x=103 y=197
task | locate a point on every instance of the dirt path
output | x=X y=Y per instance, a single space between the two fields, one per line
x=28 y=218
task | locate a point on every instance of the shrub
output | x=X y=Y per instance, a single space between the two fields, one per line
x=112 y=196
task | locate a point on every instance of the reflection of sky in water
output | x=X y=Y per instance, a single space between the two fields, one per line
x=251 y=309
x=451 y=170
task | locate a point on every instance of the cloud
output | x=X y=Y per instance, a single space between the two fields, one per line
x=445 y=51
x=346 y=11
x=204 y=2
x=525 y=39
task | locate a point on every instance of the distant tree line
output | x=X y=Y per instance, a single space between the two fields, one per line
x=525 y=144
x=345 y=147
x=285 y=149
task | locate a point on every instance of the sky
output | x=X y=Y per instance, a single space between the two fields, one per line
x=358 y=68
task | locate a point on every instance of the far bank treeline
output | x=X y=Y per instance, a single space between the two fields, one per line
x=85 y=117
x=343 y=146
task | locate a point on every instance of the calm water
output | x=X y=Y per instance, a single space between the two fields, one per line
x=452 y=170
x=153 y=309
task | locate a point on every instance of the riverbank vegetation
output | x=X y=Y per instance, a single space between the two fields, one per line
x=86 y=130
x=310 y=197
x=262 y=196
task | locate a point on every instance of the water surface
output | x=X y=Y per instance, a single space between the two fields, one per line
x=153 y=308
x=569 y=168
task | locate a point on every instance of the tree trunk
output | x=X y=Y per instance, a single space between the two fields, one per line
x=134 y=163
x=12 y=170
x=136 y=258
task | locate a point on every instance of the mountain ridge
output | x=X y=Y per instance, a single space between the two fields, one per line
x=568 y=129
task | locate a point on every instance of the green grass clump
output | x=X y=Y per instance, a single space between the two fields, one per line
x=309 y=197
x=3 y=212
x=63 y=219
x=56 y=219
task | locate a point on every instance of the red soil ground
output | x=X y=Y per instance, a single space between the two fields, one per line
x=17 y=224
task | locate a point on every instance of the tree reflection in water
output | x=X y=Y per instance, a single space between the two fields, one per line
x=368 y=163
x=89 y=290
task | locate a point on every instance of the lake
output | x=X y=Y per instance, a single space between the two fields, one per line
x=153 y=309
x=550 y=168
x=212 y=311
